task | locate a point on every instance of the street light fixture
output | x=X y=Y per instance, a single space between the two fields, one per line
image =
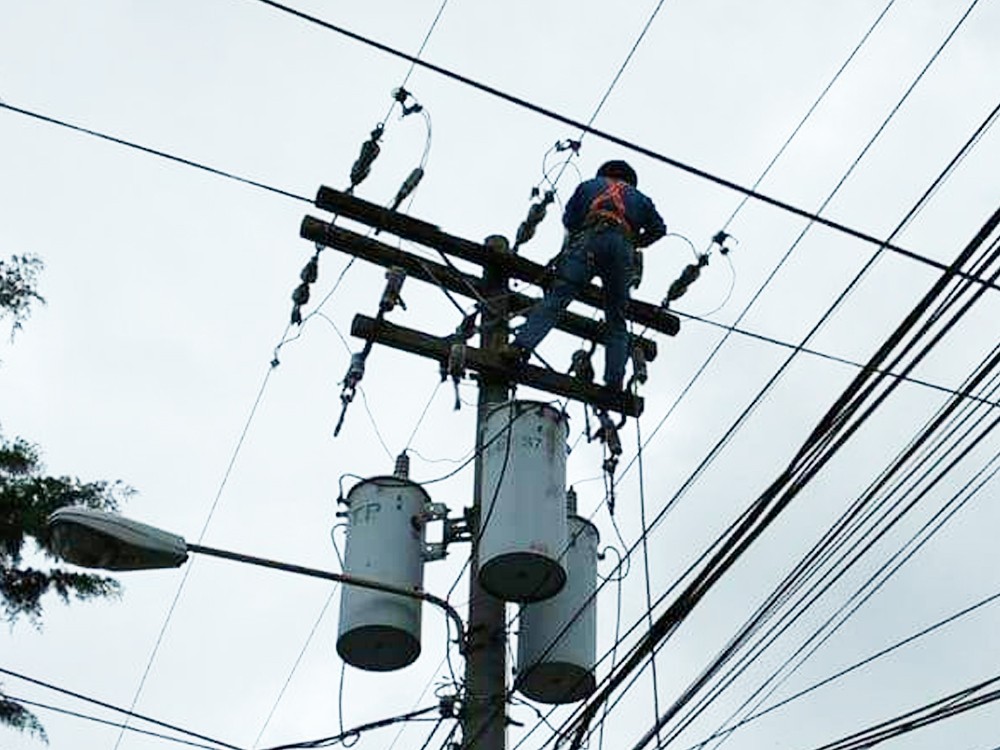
x=98 y=539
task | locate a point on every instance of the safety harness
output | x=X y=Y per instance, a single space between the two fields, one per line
x=607 y=209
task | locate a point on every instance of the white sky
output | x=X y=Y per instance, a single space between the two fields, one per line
x=168 y=289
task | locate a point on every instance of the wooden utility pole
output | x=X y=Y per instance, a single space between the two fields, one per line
x=484 y=715
x=484 y=721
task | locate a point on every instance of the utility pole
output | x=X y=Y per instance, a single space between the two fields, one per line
x=484 y=715
x=484 y=722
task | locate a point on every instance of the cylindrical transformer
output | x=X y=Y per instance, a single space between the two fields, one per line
x=385 y=543
x=557 y=638
x=523 y=514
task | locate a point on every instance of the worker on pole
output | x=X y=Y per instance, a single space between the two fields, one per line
x=606 y=219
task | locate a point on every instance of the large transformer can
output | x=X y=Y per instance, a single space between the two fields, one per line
x=557 y=638
x=523 y=513
x=385 y=543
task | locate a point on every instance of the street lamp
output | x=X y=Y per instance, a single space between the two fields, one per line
x=98 y=539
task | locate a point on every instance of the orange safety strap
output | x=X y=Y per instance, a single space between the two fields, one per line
x=609 y=205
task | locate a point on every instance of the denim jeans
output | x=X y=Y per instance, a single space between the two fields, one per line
x=603 y=252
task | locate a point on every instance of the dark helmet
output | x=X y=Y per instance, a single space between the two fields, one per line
x=619 y=170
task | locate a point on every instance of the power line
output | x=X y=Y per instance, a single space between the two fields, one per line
x=857 y=234
x=827 y=356
x=118 y=709
x=809 y=112
x=847 y=670
x=817 y=558
x=155 y=152
x=930 y=713
x=622 y=142
x=746 y=411
x=357 y=731
x=832 y=432
x=813 y=455
x=188 y=568
x=96 y=720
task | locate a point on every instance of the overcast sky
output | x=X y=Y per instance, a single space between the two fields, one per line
x=168 y=289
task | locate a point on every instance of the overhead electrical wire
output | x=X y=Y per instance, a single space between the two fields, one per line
x=947 y=171
x=607 y=94
x=820 y=354
x=156 y=152
x=117 y=709
x=840 y=423
x=813 y=107
x=295 y=666
x=930 y=713
x=809 y=112
x=849 y=670
x=817 y=558
x=357 y=731
x=831 y=433
x=190 y=565
x=854 y=604
x=851 y=516
x=964 y=151
x=251 y=183
x=629 y=145
x=644 y=536
x=738 y=423
x=106 y=722
x=814 y=559
x=973 y=140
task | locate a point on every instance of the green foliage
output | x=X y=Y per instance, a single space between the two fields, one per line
x=27 y=498
x=18 y=717
x=18 y=278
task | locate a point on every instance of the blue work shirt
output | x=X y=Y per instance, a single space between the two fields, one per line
x=643 y=223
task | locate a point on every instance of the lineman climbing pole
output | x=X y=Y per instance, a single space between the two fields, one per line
x=484 y=717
